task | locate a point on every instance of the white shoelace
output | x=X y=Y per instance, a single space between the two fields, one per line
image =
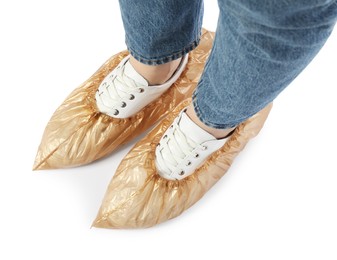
x=117 y=90
x=176 y=148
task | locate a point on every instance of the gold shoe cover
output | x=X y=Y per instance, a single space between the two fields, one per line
x=138 y=197
x=78 y=133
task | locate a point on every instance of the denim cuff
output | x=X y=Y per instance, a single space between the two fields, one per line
x=204 y=118
x=165 y=59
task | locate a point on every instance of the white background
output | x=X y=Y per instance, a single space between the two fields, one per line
x=278 y=200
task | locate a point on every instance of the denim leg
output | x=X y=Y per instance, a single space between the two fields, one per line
x=158 y=31
x=260 y=47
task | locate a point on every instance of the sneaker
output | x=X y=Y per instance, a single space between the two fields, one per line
x=183 y=148
x=124 y=92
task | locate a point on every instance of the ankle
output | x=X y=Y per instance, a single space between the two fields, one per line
x=155 y=74
x=217 y=133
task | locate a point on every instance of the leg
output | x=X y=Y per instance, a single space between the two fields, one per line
x=260 y=47
x=159 y=33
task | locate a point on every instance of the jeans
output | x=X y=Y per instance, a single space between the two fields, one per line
x=260 y=46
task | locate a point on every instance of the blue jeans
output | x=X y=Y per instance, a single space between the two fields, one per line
x=259 y=48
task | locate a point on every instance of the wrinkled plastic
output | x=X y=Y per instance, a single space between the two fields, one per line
x=138 y=197
x=78 y=133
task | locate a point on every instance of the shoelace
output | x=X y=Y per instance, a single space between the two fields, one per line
x=176 y=146
x=118 y=90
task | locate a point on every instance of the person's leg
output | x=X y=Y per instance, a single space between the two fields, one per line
x=159 y=33
x=260 y=47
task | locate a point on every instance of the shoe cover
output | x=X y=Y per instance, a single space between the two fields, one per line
x=78 y=133
x=138 y=197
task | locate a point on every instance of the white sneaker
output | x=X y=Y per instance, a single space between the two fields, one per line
x=183 y=148
x=124 y=92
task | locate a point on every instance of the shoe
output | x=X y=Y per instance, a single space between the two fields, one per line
x=183 y=148
x=85 y=128
x=124 y=92
x=138 y=197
